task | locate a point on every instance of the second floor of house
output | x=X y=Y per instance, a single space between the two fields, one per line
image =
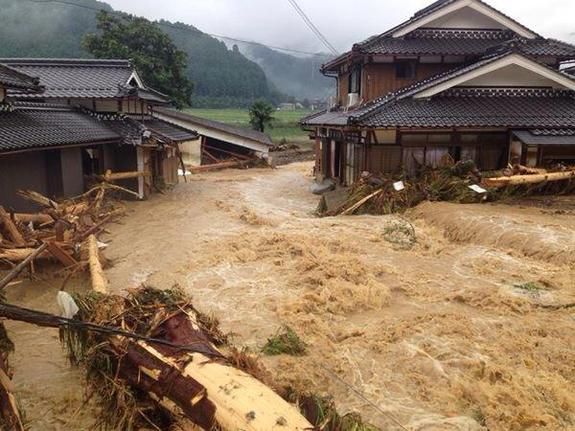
x=445 y=36
x=102 y=86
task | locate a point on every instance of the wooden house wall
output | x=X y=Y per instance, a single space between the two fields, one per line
x=379 y=79
x=22 y=171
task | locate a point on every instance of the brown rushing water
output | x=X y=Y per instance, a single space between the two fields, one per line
x=439 y=337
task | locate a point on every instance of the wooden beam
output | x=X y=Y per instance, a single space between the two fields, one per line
x=62 y=255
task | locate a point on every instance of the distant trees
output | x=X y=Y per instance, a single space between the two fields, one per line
x=261 y=115
x=160 y=63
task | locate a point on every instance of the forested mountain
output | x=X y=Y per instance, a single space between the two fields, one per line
x=295 y=76
x=222 y=76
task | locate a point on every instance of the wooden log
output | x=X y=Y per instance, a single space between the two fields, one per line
x=20 y=267
x=37 y=198
x=11 y=229
x=34 y=218
x=199 y=386
x=529 y=179
x=20 y=254
x=219 y=166
x=117 y=176
x=100 y=283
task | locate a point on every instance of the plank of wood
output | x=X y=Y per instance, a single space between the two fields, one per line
x=117 y=176
x=62 y=255
x=34 y=218
x=11 y=229
x=529 y=179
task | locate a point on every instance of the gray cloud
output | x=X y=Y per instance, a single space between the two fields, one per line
x=343 y=22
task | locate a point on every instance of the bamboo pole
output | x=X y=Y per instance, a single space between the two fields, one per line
x=359 y=204
x=529 y=179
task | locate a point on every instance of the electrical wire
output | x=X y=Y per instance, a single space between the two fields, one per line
x=313 y=27
x=181 y=28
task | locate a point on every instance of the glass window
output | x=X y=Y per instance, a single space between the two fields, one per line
x=355 y=80
x=405 y=69
x=439 y=139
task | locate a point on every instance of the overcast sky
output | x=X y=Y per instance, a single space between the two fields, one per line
x=343 y=22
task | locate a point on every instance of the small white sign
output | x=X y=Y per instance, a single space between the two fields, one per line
x=399 y=186
x=478 y=189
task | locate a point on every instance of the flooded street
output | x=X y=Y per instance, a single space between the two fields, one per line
x=472 y=328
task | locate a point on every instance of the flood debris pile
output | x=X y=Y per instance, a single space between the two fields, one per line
x=178 y=375
x=57 y=231
x=461 y=182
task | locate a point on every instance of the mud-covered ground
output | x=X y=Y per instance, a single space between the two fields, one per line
x=470 y=329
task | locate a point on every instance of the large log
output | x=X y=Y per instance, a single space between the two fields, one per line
x=99 y=280
x=529 y=179
x=220 y=166
x=11 y=229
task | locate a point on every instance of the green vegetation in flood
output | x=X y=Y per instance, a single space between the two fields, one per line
x=529 y=287
x=285 y=126
x=286 y=341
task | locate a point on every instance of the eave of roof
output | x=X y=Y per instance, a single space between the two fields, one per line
x=253 y=135
x=440 y=5
x=32 y=127
x=11 y=78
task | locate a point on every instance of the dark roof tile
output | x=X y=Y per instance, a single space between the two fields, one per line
x=76 y=79
x=11 y=78
x=242 y=132
x=50 y=126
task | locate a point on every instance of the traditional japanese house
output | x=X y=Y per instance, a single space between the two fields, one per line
x=459 y=78
x=66 y=121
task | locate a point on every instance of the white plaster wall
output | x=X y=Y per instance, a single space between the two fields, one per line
x=465 y=18
x=512 y=76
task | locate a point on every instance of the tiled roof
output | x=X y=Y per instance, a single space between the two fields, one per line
x=32 y=127
x=13 y=79
x=76 y=78
x=168 y=132
x=242 y=132
x=439 y=5
x=495 y=111
x=552 y=137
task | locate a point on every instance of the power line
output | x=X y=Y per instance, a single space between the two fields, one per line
x=313 y=27
x=179 y=27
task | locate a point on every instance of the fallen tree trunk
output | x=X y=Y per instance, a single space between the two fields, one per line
x=20 y=267
x=99 y=281
x=219 y=166
x=11 y=229
x=529 y=179
x=177 y=366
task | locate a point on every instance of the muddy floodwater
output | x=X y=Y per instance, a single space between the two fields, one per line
x=473 y=328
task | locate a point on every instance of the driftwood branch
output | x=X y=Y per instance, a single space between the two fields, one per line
x=20 y=267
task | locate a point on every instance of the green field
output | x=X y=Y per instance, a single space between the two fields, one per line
x=285 y=125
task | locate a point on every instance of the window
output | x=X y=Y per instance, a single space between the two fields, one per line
x=355 y=80
x=405 y=69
